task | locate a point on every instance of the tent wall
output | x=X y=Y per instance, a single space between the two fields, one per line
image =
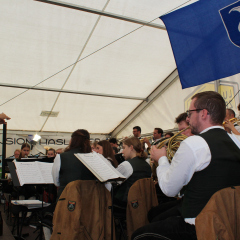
x=50 y=46
x=50 y=140
x=173 y=101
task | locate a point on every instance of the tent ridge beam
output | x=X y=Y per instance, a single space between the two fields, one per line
x=70 y=91
x=106 y=14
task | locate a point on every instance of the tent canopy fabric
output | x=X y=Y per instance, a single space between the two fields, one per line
x=119 y=62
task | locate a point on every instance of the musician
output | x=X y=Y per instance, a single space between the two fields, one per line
x=182 y=123
x=25 y=150
x=104 y=147
x=168 y=134
x=134 y=168
x=66 y=167
x=230 y=114
x=17 y=153
x=59 y=151
x=137 y=132
x=94 y=146
x=51 y=153
x=205 y=163
x=28 y=191
x=157 y=135
x=230 y=127
x=113 y=142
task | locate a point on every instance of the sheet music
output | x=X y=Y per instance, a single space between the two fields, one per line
x=46 y=171
x=114 y=169
x=28 y=173
x=33 y=172
x=97 y=164
x=30 y=203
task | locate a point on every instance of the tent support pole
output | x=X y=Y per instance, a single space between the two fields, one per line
x=106 y=14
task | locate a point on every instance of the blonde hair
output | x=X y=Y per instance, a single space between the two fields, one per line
x=137 y=146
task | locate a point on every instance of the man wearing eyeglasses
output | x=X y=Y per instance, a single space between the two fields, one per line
x=204 y=163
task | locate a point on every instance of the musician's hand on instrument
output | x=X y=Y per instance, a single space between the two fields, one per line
x=158 y=153
x=146 y=140
x=228 y=124
x=229 y=127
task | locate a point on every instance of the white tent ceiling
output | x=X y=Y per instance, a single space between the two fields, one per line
x=40 y=43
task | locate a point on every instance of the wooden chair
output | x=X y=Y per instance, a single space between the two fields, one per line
x=83 y=212
x=141 y=198
x=220 y=218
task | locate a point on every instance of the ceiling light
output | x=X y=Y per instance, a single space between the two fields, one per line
x=36 y=137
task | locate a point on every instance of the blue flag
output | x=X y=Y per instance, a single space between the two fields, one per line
x=205 y=38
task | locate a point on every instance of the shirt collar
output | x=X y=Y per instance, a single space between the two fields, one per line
x=212 y=127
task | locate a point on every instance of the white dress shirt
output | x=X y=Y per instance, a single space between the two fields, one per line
x=192 y=156
x=237 y=127
x=154 y=142
x=125 y=168
x=55 y=170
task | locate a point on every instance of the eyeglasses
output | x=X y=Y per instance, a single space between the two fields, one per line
x=189 y=111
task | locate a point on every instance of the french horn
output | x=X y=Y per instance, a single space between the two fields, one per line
x=172 y=144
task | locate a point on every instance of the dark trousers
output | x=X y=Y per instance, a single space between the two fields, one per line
x=172 y=228
x=164 y=210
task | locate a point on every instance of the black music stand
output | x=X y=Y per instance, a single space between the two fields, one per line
x=16 y=183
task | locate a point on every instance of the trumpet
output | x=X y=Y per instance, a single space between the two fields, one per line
x=149 y=138
x=232 y=120
x=173 y=144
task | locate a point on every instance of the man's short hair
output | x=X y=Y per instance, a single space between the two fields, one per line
x=231 y=112
x=115 y=150
x=181 y=117
x=159 y=130
x=214 y=103
x=169 y=133
x=113 y=140
x=138 y=128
